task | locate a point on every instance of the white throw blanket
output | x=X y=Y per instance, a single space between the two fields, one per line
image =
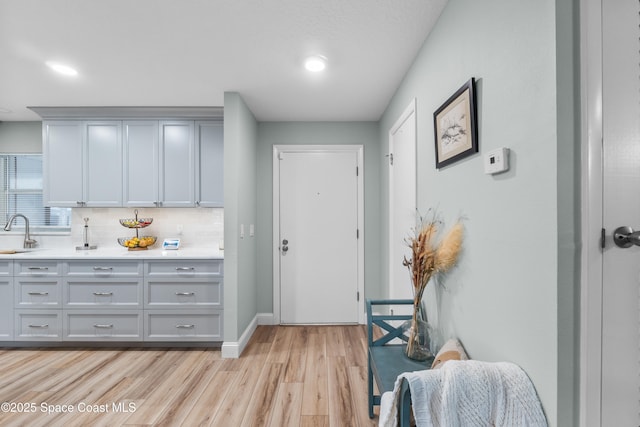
x=468 y=393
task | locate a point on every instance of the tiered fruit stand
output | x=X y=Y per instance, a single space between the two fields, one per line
x=137 y=243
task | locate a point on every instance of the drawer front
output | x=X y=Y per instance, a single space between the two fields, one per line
x=38 y=293
x=195 y=325
x=101 y=325
x=6 y=268
x=104 y=268
x=37 y=268
x=193 y=293
x=184 y=268
x=6 y=309
x=112 y=293
x=38 y=325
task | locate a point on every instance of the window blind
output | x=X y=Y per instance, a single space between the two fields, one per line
x=21 y=176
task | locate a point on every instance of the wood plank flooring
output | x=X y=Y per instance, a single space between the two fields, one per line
x=287 y=376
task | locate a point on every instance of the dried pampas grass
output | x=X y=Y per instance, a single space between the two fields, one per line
x=431 y=253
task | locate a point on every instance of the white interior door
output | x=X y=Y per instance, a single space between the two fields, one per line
x=621 y=198
x=318 y=246
x=402 y=200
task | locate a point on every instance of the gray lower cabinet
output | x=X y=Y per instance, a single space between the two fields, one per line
x=102 y=325
x=111 y=300
x=6 y=301
x=37 y=289
x=183 y=300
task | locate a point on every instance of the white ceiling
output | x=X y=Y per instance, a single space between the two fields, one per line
x=189 y=52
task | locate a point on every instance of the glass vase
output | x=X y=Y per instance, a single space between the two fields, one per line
x=418 y=336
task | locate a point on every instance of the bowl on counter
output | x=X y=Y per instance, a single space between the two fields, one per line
x=137 y=243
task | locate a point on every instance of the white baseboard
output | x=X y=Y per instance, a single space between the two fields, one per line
x=233 y=350
x=265 y=319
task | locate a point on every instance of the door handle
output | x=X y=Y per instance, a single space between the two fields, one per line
x=285 y=248
x=625 y=237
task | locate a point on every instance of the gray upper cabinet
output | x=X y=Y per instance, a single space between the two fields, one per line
x=82 y=163
x=141 y=163
x=133 y=163
x=103 y=172
x=63 y=164
x=177 y=164
x=210 y=164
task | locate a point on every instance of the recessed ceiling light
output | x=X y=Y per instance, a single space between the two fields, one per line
x=62 y=68
x=315 y=63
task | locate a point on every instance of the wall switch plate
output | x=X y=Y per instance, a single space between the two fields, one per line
x=496 y=161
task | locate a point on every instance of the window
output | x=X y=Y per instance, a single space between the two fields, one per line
x=21 y=184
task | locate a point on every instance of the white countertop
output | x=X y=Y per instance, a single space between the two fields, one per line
x=115 y=252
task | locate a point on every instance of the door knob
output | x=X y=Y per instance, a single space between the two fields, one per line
x=625 y=237
x=285 y=242
x=285 y=248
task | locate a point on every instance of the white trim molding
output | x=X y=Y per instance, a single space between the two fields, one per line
x=233 y=350
x=592 y=217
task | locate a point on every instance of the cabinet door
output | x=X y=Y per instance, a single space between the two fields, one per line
x=177 y=164
x=141 y=163
x=62 y=163
x=103 y=160
x=6 y=309
x=210 y=173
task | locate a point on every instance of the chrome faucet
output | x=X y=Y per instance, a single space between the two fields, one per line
x=28 y=241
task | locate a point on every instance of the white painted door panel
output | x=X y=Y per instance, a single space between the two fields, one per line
x=63 y=163
x=177 y=151
x=402 y=173
x=621 y=267
x=141 y=163
x=103 y=172
x=319 y=221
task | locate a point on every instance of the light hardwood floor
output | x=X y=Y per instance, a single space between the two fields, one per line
x=287 y=376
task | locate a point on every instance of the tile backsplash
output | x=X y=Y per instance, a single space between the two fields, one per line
x=199 y=227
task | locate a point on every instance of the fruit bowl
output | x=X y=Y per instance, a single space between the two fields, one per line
x=136 y=222
x=137 y=243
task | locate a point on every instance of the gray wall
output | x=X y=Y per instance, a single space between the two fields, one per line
x=303 y=133
x=503 y=300
x=21 y=137
x=240 y=138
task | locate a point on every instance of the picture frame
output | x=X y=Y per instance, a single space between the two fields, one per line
x=455 y=126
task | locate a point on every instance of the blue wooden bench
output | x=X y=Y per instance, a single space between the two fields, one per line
x=387 y=359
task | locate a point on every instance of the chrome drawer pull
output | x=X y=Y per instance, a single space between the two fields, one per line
x=185 y=326
x=39 y=326
x=185 y=268
x=41 y=294
x=98 y=326
x=102 y=268
x=103 y=294
x=185 y=294
x=38 y=268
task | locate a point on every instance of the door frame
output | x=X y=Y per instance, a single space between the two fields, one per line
x=592 y=215
x=408 y=111
x=277 y=150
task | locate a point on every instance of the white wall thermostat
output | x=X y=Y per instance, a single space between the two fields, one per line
x=496 y=161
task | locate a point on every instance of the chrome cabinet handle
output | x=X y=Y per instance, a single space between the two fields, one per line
x=185 y=268
x=185 y=326
x=99 y=326
x=42 y=294
x=38 y=268
x=185 y=294
x=103 y=294
x=39 y=326
x=102 y=268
